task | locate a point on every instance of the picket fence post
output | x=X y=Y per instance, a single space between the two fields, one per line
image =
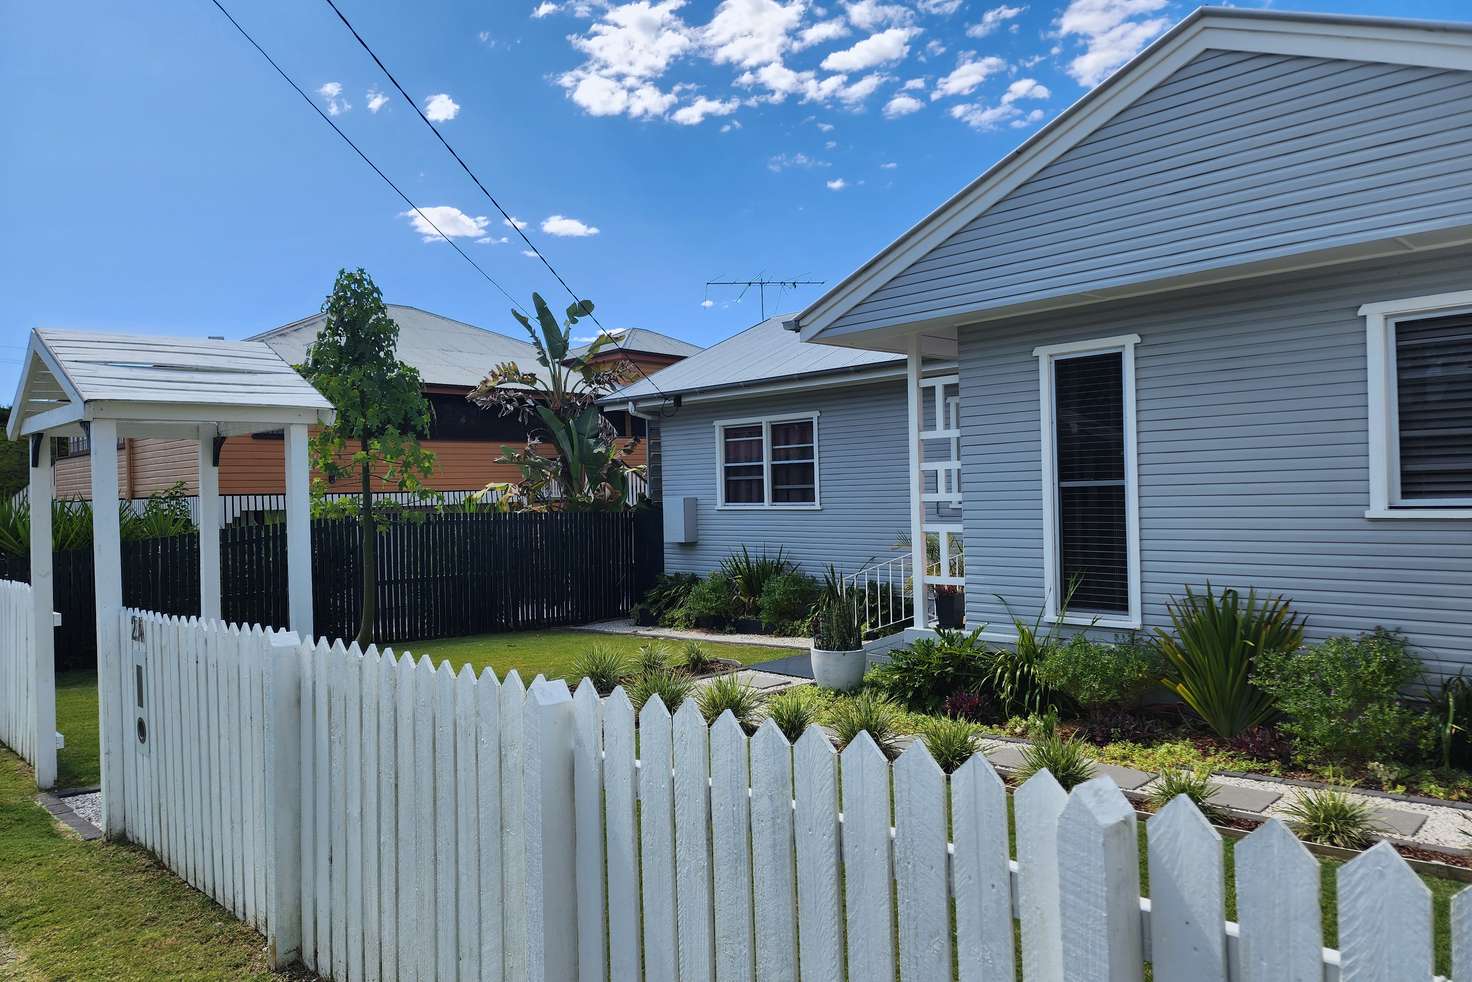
x=1099 y=885
x=284 y=798
x=551 y=842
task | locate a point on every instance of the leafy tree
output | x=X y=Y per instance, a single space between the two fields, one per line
x=15 y=460
x=381 y=413
x=559 y=405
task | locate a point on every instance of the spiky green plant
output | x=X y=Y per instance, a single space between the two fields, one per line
x=837 y=623
x=1066 y=759
x=1332 y=818
x=727 y=692
x=1194 y=784
x=672 y=687
x=794 y=710
x=652 y=658
x=750 y=575
x=697 y=659
x=1211 y=655
x=951 y=742
x=605 y=667
x=867 y=712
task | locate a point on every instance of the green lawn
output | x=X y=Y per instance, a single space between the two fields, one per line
x=91 y=910
x=77 y=764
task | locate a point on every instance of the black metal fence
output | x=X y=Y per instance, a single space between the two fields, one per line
x=443 y=576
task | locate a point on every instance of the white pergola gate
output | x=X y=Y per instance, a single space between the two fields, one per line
x=109 y=386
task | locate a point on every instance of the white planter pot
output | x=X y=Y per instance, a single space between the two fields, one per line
x=842 y=670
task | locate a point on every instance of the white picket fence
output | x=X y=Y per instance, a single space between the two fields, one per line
x=390 y=819
x=26 y=687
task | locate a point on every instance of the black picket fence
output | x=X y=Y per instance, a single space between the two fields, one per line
x=444 y=576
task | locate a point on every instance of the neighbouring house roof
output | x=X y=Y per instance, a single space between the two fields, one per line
x=445 y=351
x=70 y=377
x=763 y=353
x=638 y=340
x=878 y=302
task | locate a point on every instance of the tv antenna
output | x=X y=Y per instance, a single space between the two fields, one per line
x=761 y=284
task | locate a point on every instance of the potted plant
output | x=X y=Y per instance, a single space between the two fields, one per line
x=838 y=638
x=950 y=606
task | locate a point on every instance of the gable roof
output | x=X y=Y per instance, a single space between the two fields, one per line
x=76 y=376
x=639 y=340
x=1361 y=39
x=445 y=351
x=764 y=352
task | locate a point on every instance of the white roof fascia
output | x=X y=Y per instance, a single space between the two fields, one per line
x=810 y=383
x=1429 y=44
x=36 y=348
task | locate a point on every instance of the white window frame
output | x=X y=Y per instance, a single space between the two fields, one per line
x=767 y=504
x=1380 y=320
x=1047 y=356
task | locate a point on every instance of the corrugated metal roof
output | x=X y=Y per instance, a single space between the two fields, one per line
x=649 y=342
x=764 y=352
x=445 y=351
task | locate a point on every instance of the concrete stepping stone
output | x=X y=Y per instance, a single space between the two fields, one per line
x=1127 y=778
x=1007 y=755
x=1399 y=822
x=1241 y=799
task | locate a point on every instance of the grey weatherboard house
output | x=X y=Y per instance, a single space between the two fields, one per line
x=1214 y=322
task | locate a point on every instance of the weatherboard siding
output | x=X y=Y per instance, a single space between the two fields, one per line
x=1235 y=158
x=1253 y=456
x=862 y=463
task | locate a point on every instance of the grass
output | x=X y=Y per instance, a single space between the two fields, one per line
x=90 y=910
x=78 y=764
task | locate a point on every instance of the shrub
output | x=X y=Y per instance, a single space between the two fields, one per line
x=1340 y=699
x=672 y=687
x=713 y=597
x=1110 y=725
x=951 y=742
x=697 y=659
x=1097 y=675
x=836 y=624
x=1262 y=742
x=786 y=602
x=727 y=692
x=921 y=675
x=1332 y=818
x=1194 y=784
x=652 y=658
x=749 y=576
x=1213 y=656
x=793 y=710
x=1067 y=760
x=668 y=595
x=1014 y=676
x=605 y=667
x=972 y=706
x=867 y=712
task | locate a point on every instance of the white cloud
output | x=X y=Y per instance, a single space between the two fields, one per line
x=441 y=108
x=734 y=124
x=561 y=225
x=331 y=93
x=824 y=30
x=453 y=222
x=912 y=85
x=697 y=111
x=784 y=161
x=869 y=15
x=707 y=303
x=889 y=165
x=983 y=117
x=529 y=254
x=1112 y=32
x=837 y=184
x=544 y=9
x=376 y=100
x=601 y=95
x=941 y=8
x=750 y=33
x=993 y=19
x=492 y=240
x=934 y=48
x=877 y=49
x=970 y=73
x=630 y=47
x=825 y=127
x=902 y=105
x=513 y=222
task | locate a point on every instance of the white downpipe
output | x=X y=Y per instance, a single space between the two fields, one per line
x=298 y=531
x=913 y=370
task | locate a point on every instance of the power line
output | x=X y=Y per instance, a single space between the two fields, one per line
x=348 y=140
x=510 y=222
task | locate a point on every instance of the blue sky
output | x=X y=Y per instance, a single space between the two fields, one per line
x=158 y=177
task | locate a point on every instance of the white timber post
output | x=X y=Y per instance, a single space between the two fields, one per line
x=298 y=530
x=283 y=742
x=913 y=368
x=209 y=527
x=43 y=633
x=1099 y=885
x=549 y=810
x=113 y=683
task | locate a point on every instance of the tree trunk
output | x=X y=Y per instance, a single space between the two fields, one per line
x=368 y=553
